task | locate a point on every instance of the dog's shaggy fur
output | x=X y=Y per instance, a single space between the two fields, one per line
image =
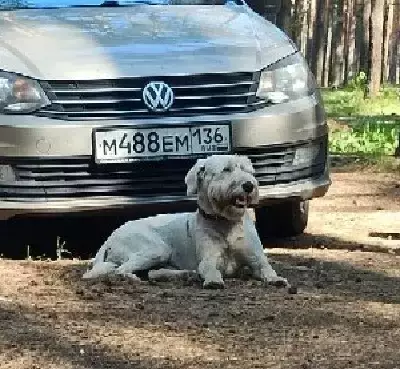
x=216 y=241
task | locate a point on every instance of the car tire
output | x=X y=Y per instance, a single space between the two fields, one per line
x=286 y=219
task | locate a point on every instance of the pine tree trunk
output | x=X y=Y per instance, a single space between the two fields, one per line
x=328 y=49
x=377 y=18
x=321 y=35
x=284 y=19
x=364 y=52
x=345 y=40
x=304 y=27
x=296 y=25
x=314 y=36
x=338 y=61
x=332 y=62
x=310 y=32
x=351 y=69
x=359 y=31
x=388 y=37
x=394 y=70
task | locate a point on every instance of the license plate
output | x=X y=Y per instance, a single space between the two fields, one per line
x=129 y=144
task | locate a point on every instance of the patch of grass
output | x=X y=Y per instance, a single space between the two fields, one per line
x=363 y=136
x=350 y=101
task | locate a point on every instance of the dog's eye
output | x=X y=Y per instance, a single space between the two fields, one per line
x=227 y=169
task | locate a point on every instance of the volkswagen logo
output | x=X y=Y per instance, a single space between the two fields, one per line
x=158 y=96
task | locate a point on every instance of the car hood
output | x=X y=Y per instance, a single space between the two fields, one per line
x=142 y=40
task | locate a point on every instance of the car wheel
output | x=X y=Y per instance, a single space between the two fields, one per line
x=284 y=219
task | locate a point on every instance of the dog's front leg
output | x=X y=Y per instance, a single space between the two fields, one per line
x=262 y=270
x=266 y=273
x=257 y=260
x=209 y=251
x=210 y=273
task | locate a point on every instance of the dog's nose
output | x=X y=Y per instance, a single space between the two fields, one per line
x=248 y=186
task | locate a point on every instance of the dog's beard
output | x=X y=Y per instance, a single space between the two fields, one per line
x=229 y=203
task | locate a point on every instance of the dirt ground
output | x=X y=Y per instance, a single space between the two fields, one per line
x=346 y=313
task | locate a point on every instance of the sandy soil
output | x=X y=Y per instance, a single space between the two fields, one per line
x=358 y=212
x=345 y=314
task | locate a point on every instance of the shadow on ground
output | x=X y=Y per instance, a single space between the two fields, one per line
x=354 y=276
x=26 y=338
x=345 y=315
x=82 y=236
x=321 y=241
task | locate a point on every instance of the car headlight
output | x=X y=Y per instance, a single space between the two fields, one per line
x=288 y=79
x=20 y=95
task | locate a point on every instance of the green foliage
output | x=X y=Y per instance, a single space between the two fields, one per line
x=350 y=101
x=367 y=134
x=372 y=137
x=359 y=82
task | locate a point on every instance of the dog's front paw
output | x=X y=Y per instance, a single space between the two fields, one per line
x=213 y=285
x=276 y=281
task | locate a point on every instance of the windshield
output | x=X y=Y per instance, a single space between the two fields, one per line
x=42 y=4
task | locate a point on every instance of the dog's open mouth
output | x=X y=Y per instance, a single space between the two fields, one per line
x=241 y=201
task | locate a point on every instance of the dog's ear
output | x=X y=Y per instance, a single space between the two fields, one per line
x=246 y=164
x=193 y=176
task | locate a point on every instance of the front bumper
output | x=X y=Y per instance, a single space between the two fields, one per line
x=304 y=189
x=55 y=171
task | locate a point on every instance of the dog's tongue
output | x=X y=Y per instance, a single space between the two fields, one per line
x=241 y=201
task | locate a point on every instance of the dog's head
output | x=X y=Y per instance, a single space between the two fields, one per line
x=225 y=185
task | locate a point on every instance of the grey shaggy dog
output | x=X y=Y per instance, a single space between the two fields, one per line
x=218 y=240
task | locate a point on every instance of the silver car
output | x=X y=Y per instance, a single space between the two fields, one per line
x=105 y=106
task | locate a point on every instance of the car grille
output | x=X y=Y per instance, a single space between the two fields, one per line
x=122 y=98
x=81 y=177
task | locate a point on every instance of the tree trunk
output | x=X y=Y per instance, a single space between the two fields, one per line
x=345 y=40
x=394 y=71
x=377 y=18
x=311 y=49
x=304 y=27
x=359 y=34
x=296 y=24
x=321 y=26
x=284 y=20
x=338 y=61
x=364 y=57
x=334 y=43
x=351 y=41
x=388 y=38
x=328 y=49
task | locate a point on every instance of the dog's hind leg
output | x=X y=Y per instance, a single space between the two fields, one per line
x=146 y=259
x=160 y=275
